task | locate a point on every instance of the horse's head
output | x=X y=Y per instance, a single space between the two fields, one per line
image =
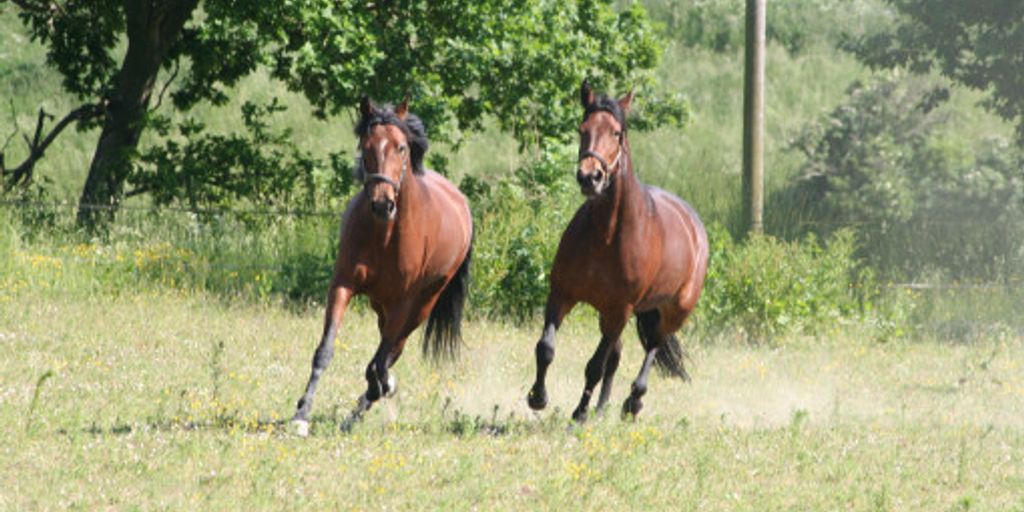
x=602 y=140
x=391 y=144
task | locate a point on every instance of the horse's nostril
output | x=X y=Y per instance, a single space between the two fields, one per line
x=581 y=178
x=384 y=207
x=597 y=177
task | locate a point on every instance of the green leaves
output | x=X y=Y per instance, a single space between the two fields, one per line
x=770 y=287
x=459 y=61
x=926 y=200
x=261 y=168
x=80 y=39
x=976 y=43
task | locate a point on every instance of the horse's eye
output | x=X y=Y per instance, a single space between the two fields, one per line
x=401 y=149
x=618 y=134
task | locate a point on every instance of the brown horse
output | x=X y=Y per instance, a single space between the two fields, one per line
x=406 y=243
x=630 y=249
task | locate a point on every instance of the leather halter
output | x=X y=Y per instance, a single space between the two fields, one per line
x=605 y=167
x=369 y=179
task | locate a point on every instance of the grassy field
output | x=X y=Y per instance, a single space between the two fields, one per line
x=176 y=401
x=122 y=387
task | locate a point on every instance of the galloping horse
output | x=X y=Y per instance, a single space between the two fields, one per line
x=406 y=243
x=630 y=249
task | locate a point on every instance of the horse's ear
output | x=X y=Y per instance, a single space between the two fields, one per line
x=586 y=94
x=626 y=101
x=365 y=106
x=402 y=109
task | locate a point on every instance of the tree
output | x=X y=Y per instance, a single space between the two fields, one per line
x=976 y=43
x=459 y=60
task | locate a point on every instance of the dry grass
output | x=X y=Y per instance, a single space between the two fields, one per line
x=171 y=401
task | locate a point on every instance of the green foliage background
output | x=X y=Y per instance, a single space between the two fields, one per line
x=882 y=154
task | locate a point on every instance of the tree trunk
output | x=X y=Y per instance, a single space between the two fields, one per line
x=153 y=26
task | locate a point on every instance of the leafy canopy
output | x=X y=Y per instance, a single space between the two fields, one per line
x=979 y=43
x=458 y=61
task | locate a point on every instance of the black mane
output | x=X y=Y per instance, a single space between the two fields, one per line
x=412 y=127
x=607 y=104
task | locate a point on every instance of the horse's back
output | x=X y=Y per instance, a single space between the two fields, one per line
x=685 y=216
x=453 y=203
x=685 y=245
x=452 y=225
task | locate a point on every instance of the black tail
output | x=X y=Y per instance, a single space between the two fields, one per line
x=670 y=356
x=443 y=335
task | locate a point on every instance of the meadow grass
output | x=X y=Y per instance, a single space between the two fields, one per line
x=172 y=400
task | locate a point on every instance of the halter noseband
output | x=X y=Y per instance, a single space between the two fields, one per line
x=604 y=163
x=369 y=179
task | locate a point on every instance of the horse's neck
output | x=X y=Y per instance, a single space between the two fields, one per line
x=624 y=203
x=410 y=202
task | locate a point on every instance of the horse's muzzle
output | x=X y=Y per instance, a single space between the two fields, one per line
x=384 y=208
x=592 y=183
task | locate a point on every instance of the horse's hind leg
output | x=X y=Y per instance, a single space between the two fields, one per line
x=655 y=328
x=611 y=364
x=555 y=311
x=647 y=327
x=611 y=329
x=337 y=301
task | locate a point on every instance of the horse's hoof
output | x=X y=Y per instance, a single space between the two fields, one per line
x=392 y=387
x=300 y=427
x=631 y=407
x=346 y=426
x=579 y=416
x=537 y=400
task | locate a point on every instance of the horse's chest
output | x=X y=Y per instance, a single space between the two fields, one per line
x=606 y=275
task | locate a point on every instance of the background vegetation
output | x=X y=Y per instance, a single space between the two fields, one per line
x=865 y=353
x=920 y=182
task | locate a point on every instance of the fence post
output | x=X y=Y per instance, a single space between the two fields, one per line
x=753 y=118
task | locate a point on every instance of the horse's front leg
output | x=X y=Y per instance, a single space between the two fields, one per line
x=555 y=311
x=337 y=301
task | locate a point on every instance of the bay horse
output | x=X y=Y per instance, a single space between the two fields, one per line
x=630 y=249
x=406 y=243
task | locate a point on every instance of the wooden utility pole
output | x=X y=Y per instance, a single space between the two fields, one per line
x=753 y=119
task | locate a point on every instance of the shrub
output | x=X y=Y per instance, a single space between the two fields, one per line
x=764 y=286
x=768 y=287
x=519 y=220
x=890 y=162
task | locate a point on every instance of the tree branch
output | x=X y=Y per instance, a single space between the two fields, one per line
x=167 y=84
x=22 y=174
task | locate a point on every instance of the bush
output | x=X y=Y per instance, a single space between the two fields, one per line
x=519 y=220
x=925 y=201
x=767 y=287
